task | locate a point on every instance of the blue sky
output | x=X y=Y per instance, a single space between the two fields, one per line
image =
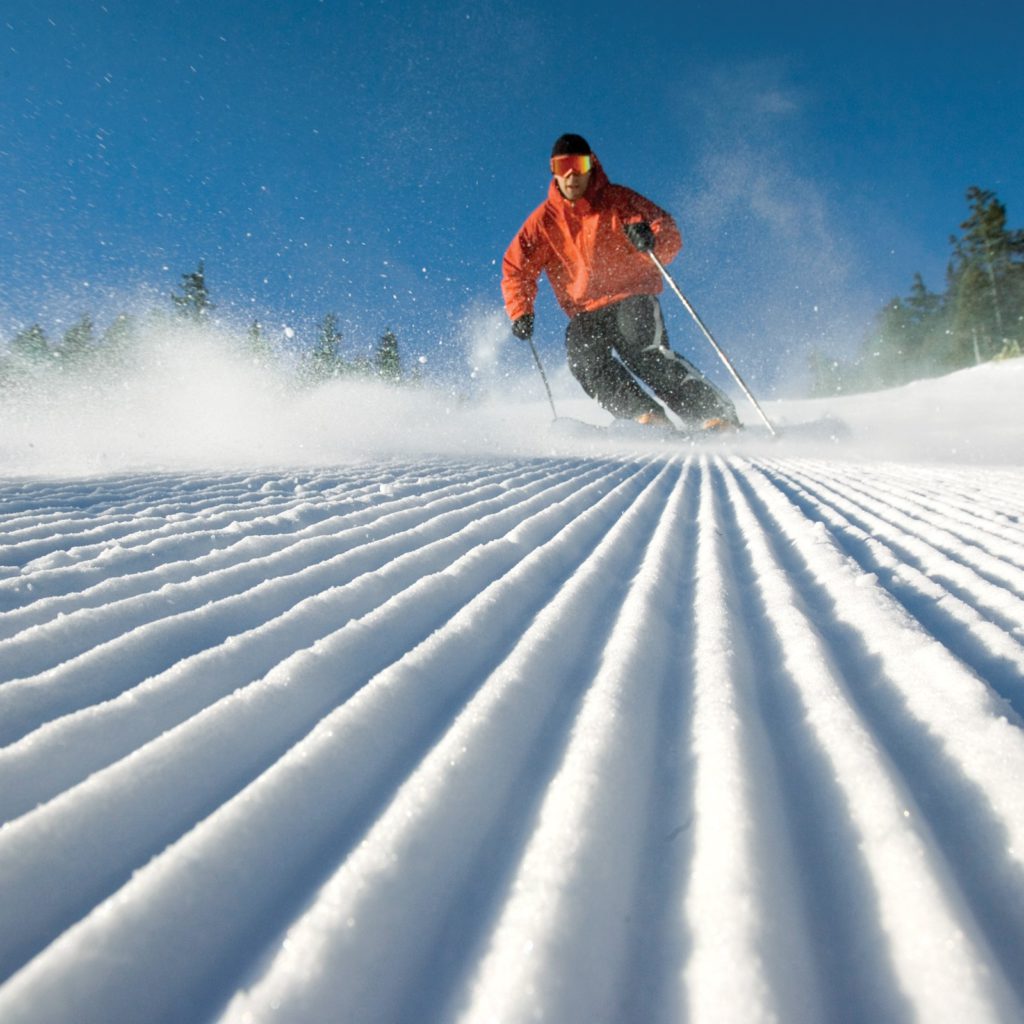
x=374 y=158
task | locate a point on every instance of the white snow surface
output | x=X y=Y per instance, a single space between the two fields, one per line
x=355 y=706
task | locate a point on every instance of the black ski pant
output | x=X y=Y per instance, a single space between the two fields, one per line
x=612 y=348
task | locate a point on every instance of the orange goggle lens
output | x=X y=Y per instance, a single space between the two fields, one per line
x=580 y=163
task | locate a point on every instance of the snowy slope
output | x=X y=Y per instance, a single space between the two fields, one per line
x=565 y=732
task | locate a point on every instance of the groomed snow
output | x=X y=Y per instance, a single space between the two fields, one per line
x=310 y=717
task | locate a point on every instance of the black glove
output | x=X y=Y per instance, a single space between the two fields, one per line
x=523 y=327
x=640 y=234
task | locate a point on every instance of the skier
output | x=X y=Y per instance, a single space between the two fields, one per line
x=591 y=238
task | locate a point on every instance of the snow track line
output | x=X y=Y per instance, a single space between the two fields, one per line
x=996 y=519
x=929 y=919
x=853 y=976
x=980 y=544
x=917 y=535
x=981 y=623
x=256 y=726
x=140 y=636
x=88 y=528
x=227 y=544
x=737 y=969
x=297 y=551
x=162 y=644
x=531 y=733
x=67 y=749
x=704 y=737
x=206 y=527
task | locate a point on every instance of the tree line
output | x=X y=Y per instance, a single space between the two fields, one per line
x=81 y=345
x=978 y=317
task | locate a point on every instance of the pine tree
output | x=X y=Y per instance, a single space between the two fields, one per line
x=986 y=282
x=31 y=345
x=909 y=340
x=195 y=303
x=388 y=363
x=327 y=361
x=886 y=356
x=78 y=343
x=979 y=317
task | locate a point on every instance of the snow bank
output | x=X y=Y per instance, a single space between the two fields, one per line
x=193 y=400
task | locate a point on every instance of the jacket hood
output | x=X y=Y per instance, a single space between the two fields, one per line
x=596 y=185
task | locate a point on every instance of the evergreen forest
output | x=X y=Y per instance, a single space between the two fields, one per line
x=978 y=317
x=33 y=355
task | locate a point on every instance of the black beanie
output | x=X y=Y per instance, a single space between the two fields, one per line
x=570 y=144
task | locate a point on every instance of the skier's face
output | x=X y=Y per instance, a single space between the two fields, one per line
x=572 y=174
x=572 y=185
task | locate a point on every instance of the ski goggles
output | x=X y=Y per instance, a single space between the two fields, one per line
x=569 y=163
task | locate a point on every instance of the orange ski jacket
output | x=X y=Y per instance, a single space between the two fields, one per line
x=584 y=251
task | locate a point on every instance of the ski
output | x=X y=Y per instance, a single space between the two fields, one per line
x=827 y=429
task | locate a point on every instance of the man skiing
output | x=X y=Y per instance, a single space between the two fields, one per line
x=591 y=238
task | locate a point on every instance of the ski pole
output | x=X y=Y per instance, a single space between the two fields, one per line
x=714 y=344
x=543 y=376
